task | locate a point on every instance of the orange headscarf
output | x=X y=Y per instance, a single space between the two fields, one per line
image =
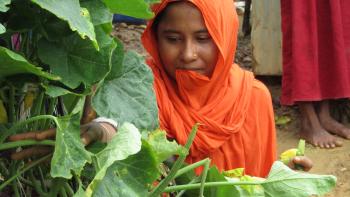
x=219 y=103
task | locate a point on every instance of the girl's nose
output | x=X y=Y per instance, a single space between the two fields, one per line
x=189 y=53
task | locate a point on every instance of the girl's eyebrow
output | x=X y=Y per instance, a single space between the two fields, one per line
x=177 y=32
x=169 y=31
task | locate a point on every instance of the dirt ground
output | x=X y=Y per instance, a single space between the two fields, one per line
x=334 y=161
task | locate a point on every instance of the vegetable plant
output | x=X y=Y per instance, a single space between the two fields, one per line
x=59 y=68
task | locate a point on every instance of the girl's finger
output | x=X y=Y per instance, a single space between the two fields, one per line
x=303 y=161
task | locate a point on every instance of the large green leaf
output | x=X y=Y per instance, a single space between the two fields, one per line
x=134 y=8
x=282 y=181
x=162 y=147
x=100 y=14
x=130 y=96
x=3 y=5
x=12 y=63
x=70 y=11
x=76 y=60
x=70 y=154
x=113 y=186
x=132 y=176
x=126 y=142
x=117 y=62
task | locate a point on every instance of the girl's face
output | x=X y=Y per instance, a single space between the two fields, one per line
x=184 y=41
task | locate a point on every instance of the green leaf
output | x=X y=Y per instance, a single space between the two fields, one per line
x=3 y=113
x=70 y=154
x=130 y=96
x=134 y=8
x=215 y=176
x=2 y=29
x=132 y=176
x=114 y=186
x=117 y=61
x=70 y=11
x=3 y=5
x=23 y=17
x=126 y=142
x=76 y=60
x=55 y=29
x=282 y=120
x=12 y=63
x=56 y=91
x=162 y=147
x=238 y=172
x=100 y=14
x=282 y=181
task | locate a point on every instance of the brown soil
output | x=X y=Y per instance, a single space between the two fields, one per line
x=335 y=161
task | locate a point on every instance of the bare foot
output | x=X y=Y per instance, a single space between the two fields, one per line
x=319 y=138
x=335 y=127
x=311 y=129
x=330 y=124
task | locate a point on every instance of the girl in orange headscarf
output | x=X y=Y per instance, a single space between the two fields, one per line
x=192 y=45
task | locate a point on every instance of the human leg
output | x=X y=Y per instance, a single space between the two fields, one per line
x=329 y=123
x=311 y=129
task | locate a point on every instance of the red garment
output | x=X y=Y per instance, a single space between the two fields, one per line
x=316 y=50
x=235 y=110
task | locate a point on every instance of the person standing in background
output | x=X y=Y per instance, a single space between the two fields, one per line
x=316 y=65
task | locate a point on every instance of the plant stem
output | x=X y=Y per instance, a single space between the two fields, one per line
x=162 y=185
x=204 y=176
x=191 y=167
x=196 y=179
x=56 y=187
x=68 y=189
x=209 y=184
x=11 y=107
x=15 y=189
x=37 y=108
x=52 y=105
x=10 y=145
x=63 y=192
x=34 y=163
x=35 y=182
x=42 y=179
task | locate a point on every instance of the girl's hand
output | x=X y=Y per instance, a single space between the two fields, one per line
x=93 y=131
x=300 y=161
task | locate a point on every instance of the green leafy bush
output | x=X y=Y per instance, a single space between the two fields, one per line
x=65 y=55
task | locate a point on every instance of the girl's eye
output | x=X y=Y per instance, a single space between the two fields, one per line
x=173 y=39
x=203 y=38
